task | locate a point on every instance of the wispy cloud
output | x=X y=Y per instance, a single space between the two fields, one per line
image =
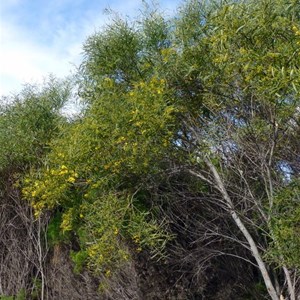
x=42 y=37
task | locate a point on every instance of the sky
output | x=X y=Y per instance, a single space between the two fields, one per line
x=42 y=37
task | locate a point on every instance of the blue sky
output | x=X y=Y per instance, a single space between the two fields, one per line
x=40 y=37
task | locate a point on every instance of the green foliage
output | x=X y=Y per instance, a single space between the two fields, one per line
x=54 y=233
x=79 y=259
x=36 y=289
x=92 y=171
x=29 y=121
x=250 y=46
x=20 y=296
x=285 y=226
x=113 y=54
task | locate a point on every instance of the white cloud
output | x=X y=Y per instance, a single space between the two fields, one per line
x=29 y=54
x=30 y=64
x=23 y=59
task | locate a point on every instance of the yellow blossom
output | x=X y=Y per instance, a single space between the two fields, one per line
x=71 y=179
x=37 y=214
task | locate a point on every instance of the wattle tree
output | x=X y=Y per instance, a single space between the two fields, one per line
x=180 y=177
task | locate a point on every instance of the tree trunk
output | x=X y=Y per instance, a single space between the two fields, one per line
x=244 y=230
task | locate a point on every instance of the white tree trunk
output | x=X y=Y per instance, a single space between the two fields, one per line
x=291 y=288
x=262 y=267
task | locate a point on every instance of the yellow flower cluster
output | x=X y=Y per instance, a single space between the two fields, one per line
x=108 y=82
x=221 y=58
x=136 y=238
x=67 y=219
x=296 y=30
x=45 y=191
x=63 y=170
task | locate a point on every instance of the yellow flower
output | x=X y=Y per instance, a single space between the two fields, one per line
x=92 y=251
x=71 y=179
x=121 y=139
x=108 y=81
x=63 y=172
x=242 y=51
x=37 y=213
x=136 y=239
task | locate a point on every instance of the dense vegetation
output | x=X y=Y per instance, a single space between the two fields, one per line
x=179 y=179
